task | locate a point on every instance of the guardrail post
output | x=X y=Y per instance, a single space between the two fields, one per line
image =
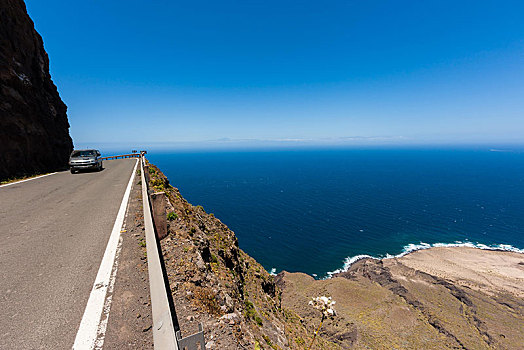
x=158 y=201
x=192 y=341
x=146 y=172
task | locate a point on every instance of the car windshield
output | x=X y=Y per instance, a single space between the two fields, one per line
x=83 y=154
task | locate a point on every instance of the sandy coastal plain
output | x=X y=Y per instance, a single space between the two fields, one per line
x=488 y=271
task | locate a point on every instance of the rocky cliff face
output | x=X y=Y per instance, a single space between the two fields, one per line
x=34 y=131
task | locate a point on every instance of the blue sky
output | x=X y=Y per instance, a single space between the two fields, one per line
x=223 y=73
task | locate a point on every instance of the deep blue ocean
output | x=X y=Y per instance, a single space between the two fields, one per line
x=313 y=210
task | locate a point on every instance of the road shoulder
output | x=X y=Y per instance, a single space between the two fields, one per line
x=130 y=320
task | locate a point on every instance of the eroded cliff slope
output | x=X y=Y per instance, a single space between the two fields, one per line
x=34 y=130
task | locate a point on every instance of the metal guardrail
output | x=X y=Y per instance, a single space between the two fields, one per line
x=163 y=326
x=122 y=156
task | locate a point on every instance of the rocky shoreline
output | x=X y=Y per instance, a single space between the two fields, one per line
x=437 y=298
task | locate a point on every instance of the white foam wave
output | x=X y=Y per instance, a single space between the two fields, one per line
x=273 y=271
x=414 y=247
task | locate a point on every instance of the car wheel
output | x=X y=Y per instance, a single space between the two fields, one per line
x=73 y=171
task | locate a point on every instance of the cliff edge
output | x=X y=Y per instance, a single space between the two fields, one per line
x=215 y=283
x=34 y=132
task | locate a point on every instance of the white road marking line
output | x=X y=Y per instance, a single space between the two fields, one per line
x=102 y=327
x=33 y=178
x=88 y=331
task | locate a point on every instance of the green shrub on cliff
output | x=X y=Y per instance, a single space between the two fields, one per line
x=157 y=184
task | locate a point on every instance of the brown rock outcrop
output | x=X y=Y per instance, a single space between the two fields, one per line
x=34 y=130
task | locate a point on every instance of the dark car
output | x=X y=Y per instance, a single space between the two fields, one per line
x=85 y=159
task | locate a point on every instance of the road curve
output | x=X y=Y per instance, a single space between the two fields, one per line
x=53 y=234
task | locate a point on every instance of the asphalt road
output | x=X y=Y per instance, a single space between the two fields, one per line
x=53 y=233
